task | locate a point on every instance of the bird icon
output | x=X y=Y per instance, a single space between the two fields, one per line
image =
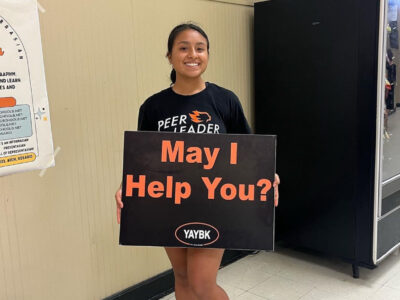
x=1 y=52
x=200 y=116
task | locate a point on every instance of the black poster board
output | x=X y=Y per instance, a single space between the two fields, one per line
x=169 y=196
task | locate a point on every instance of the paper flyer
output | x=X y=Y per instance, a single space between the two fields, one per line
x=25 y=131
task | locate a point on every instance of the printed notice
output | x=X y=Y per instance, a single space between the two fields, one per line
x=25 y=131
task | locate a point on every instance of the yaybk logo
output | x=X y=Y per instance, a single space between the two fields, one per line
x=197 y=234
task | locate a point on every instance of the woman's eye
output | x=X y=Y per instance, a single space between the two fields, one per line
x=183 y=48
x=200 y=49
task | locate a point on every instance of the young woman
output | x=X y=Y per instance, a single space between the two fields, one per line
x=192 y=105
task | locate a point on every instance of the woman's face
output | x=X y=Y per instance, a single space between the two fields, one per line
x=189 y=55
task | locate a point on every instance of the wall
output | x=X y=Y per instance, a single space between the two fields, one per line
x=58 y=232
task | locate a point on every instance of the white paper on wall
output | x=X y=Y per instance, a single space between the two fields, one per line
x=25 y=131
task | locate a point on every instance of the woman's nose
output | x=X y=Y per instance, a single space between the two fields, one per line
x=192 y=52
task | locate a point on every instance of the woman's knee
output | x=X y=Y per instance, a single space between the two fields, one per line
x=181 y=277
x=203 y=266
x=201 y=285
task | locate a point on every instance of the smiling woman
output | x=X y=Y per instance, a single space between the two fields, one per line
x=187 y=98
x=200 y=107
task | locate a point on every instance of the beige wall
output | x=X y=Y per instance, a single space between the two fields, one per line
x=58 y=233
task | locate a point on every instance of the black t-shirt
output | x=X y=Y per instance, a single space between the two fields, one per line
x=213 y=110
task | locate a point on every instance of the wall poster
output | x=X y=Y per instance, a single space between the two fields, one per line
x=25 y=131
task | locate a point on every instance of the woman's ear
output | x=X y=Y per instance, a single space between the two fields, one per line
x=168 y=55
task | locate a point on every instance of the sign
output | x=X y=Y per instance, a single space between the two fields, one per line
x=198 y=190
x=25 y=132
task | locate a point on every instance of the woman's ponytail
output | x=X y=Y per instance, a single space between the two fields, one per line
x=173 y=76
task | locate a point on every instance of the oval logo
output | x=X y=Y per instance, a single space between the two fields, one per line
x=197 y=234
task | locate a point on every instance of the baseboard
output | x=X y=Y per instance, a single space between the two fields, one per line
x=163 y=284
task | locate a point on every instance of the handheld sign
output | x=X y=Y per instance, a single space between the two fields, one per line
x=198 y=190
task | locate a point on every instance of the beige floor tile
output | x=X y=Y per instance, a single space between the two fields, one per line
x=349 y=288
x=279 y=288
x=243 y=275
x=394 y=282
x=385 y=293
x=315 y=294
x=269 y=262
x=249 y=296
x=331 y=280
x=312 y=272
x=349 y=294
x=231 y=290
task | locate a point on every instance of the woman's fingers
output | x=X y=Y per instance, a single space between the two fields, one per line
x=118 y=198
x=118 y=215
x=276 y=197
x=120 y=205
x=276 y=189
x=277 y=180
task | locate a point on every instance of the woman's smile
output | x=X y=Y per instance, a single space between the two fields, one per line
x=192 y=64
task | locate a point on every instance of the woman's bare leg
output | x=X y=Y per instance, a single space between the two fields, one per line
x=178 y=258
x=202 y=269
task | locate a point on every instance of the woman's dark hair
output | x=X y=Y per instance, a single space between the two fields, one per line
x=174 y=33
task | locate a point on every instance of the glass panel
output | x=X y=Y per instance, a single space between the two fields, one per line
x=391 y=134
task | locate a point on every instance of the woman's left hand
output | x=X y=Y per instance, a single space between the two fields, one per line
x=276 y=190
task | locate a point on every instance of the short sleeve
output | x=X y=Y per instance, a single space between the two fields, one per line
x=144 y=123
x=237 y=121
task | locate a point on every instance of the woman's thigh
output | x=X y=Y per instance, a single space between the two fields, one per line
x=178 y=259
x=203 y=265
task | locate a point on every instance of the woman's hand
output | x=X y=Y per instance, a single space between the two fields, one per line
x=120 y=205
x=276 y=190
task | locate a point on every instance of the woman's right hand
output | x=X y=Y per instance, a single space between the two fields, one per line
x=120 y=205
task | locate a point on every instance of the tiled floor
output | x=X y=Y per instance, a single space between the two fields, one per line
x=288 y=275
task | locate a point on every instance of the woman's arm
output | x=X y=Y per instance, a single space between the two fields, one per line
x=120 y=205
